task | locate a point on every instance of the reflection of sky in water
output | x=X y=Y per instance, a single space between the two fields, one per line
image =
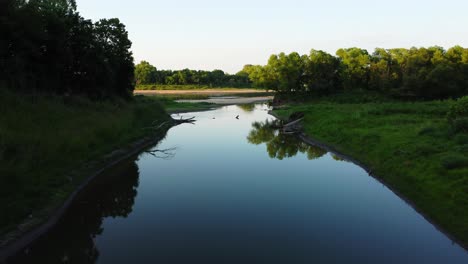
x=221 y=199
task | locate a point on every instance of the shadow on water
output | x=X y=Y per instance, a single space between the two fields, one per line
x=280 y=145
x=73 y=239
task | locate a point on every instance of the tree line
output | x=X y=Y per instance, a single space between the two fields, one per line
x=47 y=47
x=416 y=73
x=147 y=74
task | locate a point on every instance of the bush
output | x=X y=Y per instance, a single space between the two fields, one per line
x=460 y=124
x=459 y=109
x=461 y=139
x=427 y=131
x=462 y=148
x=454 y=161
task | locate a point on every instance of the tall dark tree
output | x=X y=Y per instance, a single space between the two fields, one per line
x=356 y=64
x=46 y=46
x=322 y=72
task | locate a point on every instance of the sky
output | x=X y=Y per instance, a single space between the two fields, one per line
x=226 y=35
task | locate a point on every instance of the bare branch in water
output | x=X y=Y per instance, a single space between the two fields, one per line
x=165 y=154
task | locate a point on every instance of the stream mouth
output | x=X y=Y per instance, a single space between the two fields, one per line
x=232 y=189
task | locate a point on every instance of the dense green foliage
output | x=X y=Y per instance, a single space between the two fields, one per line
x=185 y=87
x=458 y=115
x=46 y=46
x=459 y=109
x=44 y=140
x=411 y=146
x=416 y=73
x=147 y=74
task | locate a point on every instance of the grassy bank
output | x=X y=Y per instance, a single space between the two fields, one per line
x=172 y=106
x=184 y=87
x=411 y=146
x=45 y=140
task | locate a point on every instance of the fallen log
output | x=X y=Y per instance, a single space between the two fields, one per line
x=190 y=120
x=292 y=123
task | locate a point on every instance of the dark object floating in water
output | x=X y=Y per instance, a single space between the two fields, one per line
x=237 y=117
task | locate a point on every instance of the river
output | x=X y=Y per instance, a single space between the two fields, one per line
x=227 y=190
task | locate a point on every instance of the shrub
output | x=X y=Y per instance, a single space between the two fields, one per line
x=459 y=109
x=460 y=124
x=454 y=161
x=427 y=131
x=462 y=148
x=461 y=139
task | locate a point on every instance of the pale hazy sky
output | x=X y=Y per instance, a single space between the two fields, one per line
x=215 y=34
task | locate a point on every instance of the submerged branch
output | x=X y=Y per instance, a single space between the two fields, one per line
x=190 y=120
x=166 y=154
x=171 y=122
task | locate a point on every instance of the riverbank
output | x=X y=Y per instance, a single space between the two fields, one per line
x=162 y=87
x=50 y=146
x=409 y=146
x=206 y=92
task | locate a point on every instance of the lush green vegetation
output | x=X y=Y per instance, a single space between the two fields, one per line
x=172 y=106
x=44 y=141
x=147 y=74
x=47 y=47
x=415 y=147
x=416 y=73
x=182 y=87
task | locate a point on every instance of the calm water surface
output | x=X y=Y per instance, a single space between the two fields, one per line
x=235 y=191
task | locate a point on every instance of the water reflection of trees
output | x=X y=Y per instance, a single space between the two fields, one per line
x=247 y=107
x=73 y=239
x=280 y=145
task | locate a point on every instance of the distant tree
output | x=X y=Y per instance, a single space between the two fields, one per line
x=321 y=72
x=356 y=68
x=416 y=73
x=145 y=73
x=261 y=76
x=285 y=72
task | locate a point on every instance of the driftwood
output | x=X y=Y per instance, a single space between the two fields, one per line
x=293 y=125
x=171 y=122
x=190 y=120
x=166 y=154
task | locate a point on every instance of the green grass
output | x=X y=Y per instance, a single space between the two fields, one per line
x=411 y=146
x=183 y=87
x=171 y=106
x=181 y=96
x=43 y=139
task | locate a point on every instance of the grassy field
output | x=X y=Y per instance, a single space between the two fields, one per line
x=411 y=146
x=43 y=139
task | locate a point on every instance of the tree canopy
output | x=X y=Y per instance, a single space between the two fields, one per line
x=147 y=74
x=46 y=46
x=416 y=73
